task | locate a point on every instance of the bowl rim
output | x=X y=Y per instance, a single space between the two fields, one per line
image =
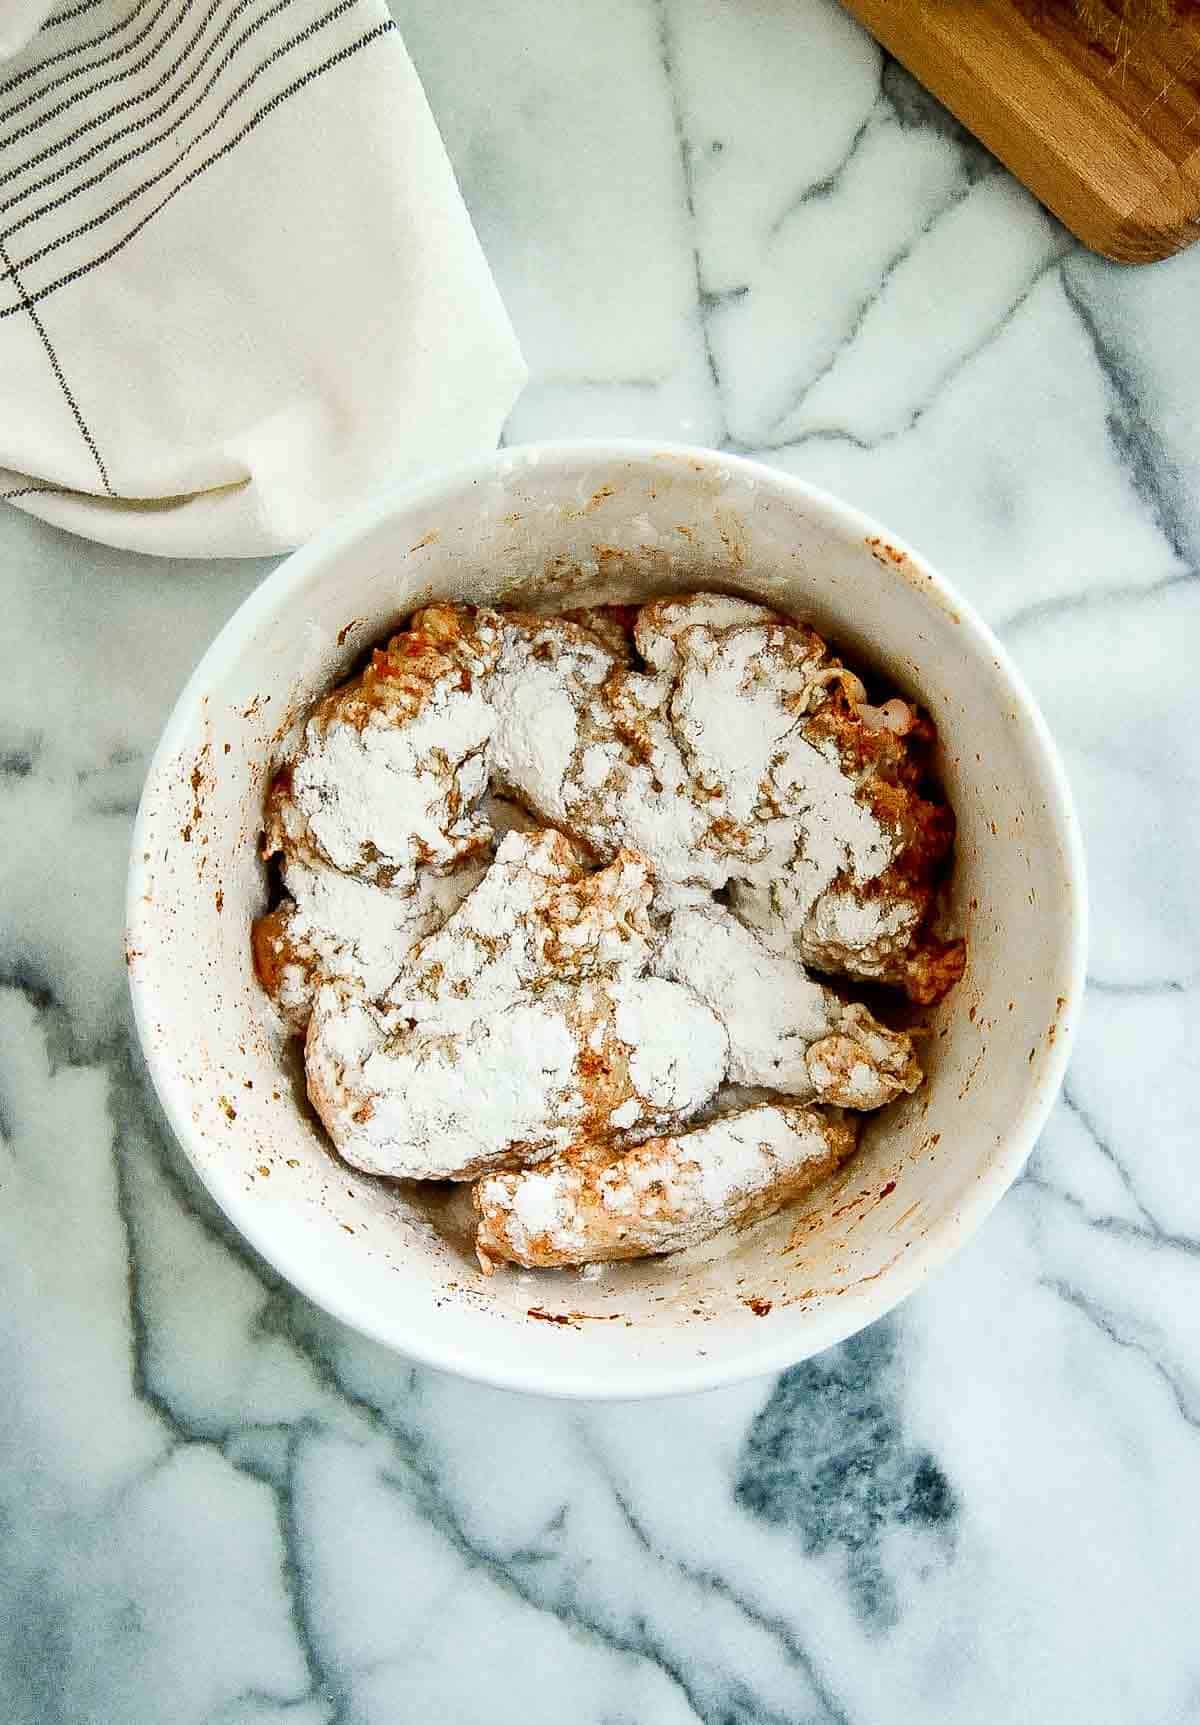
x=752 y=1358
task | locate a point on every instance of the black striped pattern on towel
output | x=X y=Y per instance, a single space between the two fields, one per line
x=117 y=107
x=112 y=127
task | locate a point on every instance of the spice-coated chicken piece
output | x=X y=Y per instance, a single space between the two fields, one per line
x=663 y=1195
x=596 y=746
x=841 y=849
x=787 y=1031
x=390 y=767
x=860 y=906
x=586 y=742
x=746 y=755
x=334 y=927
x=523 y=1026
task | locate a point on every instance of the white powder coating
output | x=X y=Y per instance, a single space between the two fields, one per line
x=586 y=743
x=499 y=1040
x=671 y=1056
x=428 y=1106
x=489 y=951
x=787 y=1032
x=842 y=932
x=383 y=799
x=544 y=684
x=835 y=930
x=391 y=766
x=339 y=927
x=738 y=704
x=769 y=1005
x=598 y=762
x=661 y=1196
x=500 y=847
x=702 y=765
x=739 y=707
x=334 y=926
x=660 y=623
x=622 y=1118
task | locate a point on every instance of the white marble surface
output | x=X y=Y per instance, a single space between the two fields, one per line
x=729 y=222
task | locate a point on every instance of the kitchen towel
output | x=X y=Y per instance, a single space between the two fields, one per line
x=239 y=288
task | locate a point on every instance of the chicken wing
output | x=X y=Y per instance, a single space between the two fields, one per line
x=787 y=1032
x=391 y=766
x=663 y=1195
x=522 y=1026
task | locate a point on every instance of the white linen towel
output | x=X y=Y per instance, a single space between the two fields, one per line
x=239 y=289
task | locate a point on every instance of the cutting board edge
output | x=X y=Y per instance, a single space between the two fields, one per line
x=1163 y=220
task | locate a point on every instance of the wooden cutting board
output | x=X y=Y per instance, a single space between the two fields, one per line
x=1102 y=124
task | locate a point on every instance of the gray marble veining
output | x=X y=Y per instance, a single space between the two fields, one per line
x=734 y=223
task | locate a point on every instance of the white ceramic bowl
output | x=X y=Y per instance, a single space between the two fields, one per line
x=563 y=525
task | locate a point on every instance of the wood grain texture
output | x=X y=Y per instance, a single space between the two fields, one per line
x=1103 y=125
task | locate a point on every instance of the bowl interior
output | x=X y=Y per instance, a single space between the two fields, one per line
x=551 y=530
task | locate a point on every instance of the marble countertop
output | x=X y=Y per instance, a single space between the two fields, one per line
x=733 y=223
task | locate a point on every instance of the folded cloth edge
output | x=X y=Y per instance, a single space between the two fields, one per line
x=461 y=400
